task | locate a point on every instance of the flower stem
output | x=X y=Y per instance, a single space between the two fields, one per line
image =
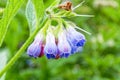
x=22 y=49
x=78 y=5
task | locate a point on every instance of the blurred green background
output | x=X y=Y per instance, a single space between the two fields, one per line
x=99 y=60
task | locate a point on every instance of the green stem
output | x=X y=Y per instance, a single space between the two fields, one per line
x=22 y=49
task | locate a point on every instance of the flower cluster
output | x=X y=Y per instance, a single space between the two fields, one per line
x=61 y=40
x=53 y=44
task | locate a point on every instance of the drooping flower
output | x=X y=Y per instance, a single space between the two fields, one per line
x=63 y=45
x=50 y=48
x=75 y=38
x=61 y=37
x=35 y=49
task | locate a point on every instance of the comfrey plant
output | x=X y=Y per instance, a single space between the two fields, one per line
x=61 y=40
x=54 y=36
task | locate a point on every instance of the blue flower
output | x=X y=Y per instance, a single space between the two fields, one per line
x=50 y=48
x=63 y=45
x=34 y=49
x=76 y=39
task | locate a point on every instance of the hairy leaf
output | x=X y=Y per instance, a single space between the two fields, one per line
x=34 y=13
x=11 y=9
x=3 y=61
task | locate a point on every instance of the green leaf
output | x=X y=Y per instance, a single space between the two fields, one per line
x=54 y=3
x=34 y=13
x=3 y=61
x=48 y=2
x=31 y=16
x=9 y=12
x=51 y=3
x=39 y=8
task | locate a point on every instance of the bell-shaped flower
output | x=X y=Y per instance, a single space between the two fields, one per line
x=63 y=45
x=35 y=49
x=50 y=48
x=75 y=38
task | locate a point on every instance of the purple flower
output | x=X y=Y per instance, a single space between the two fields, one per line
x=34 y=49
x=63 y=45
x=39 y=38
x=50 y=48
x=76 y=39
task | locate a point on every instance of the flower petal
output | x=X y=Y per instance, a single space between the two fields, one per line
x=50 y=48
x=63 y=45
x=34 y=49
x=75 y=39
